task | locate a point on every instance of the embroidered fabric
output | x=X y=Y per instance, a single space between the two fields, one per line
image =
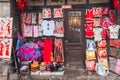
x=114 y=31
x=97 y=11
x=58 y=50
x=90 y=45
x=90 y=55
x=89 y=30
x=105 y=22
x=102 y=44
x=59 y=29
x=58 y=13
x=46 y=13
x=102 y=53
x=90 y=65
x=29 y=52
x=89 y=16
x=97 y=34
x=48 y=27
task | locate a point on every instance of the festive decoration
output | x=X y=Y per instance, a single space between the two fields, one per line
x=21 y=4
x=116 y=3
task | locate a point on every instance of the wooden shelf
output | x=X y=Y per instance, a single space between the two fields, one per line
x=114 y=56
x=114 y=72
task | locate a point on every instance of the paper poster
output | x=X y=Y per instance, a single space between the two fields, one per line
x=5 y=48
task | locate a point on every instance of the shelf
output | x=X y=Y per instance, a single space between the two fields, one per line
x=115 y=47
x=114 y=56
x=114 y=72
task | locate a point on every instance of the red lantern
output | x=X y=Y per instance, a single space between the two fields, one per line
x=21 y=4
x=116 y=3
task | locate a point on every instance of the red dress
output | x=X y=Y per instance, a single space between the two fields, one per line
x=47 y=50
x=89 y=30
x=97 y=12
x=89 y=16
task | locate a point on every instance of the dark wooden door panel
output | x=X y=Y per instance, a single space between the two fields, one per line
x=75 y=57
x=74 y=42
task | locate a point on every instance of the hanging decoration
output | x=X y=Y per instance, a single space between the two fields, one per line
x=21 y=4
x=116 y=3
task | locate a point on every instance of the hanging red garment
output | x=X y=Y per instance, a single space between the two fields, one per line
x=112 y=16
x=116 y=3
x=47 y=50
x=1 y=47
x=58 y=50
x=105 y=10
x=89 y=16
x=118 y=9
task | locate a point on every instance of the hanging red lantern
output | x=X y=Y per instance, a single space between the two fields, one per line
x=21 y=4
x=116 y=3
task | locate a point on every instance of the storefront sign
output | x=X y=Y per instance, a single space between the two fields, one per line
x=76 y=1
x=55 y=2
x=35 y=2
x=66 y=7
x=98 y=1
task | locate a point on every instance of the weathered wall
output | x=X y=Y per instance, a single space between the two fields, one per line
x=14 y=13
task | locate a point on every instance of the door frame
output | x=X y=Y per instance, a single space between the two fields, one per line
x=83 y=44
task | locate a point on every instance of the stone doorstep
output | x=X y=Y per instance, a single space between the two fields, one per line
x=56 y=77
x=83 y=76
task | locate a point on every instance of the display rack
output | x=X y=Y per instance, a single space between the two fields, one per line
x=113 y=57
x=114 y=47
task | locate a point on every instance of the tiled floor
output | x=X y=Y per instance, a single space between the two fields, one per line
x=68 y=75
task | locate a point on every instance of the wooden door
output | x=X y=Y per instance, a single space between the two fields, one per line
x=74 y=42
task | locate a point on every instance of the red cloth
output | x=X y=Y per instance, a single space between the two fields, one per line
x=105 y=34
x=112 y=16
x=1 y=49
x=105 y=10
x=47 y=50
x=89 y=30
x=89 y=16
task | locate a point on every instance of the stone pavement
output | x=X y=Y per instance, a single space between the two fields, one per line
x=68 y=75
x=4 y=65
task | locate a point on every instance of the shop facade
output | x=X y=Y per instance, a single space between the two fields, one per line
x=69 y=34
